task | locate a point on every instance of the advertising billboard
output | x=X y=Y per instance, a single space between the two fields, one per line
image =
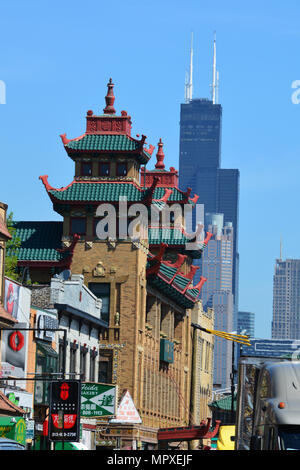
x=98 y=400
x=14 y=343
x=64 y=412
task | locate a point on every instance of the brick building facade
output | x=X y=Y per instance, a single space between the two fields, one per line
x=145 y=283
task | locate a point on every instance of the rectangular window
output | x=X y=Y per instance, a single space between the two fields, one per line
x=86 y=169
x=102 y=291
x=73 y=351
x=78 y=225
x=83 y=355
x=92 y=367
x=61 y=357
x=105 y=367
x=104 y=169
x=121 y=169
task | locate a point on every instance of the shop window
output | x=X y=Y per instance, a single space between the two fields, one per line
x=102 y=291
x=121 y=169
x=104 y=169
x=86 y=169
x=78 y=226
x=46 y=363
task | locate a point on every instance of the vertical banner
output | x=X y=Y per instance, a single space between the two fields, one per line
x=14 y=343
x=64 y=410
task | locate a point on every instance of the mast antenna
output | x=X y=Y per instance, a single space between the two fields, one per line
x=189 y=80
x=214 y=83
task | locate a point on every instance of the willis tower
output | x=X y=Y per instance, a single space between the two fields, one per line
x=200 y=161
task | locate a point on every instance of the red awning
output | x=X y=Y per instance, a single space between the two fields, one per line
x=188 y=433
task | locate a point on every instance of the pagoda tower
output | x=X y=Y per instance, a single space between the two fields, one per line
x=146 y=283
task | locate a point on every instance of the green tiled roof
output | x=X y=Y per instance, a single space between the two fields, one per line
x=171 y=284
x=224 y=403
x=170 y=291
x=103 y=142
x=39 y=240
x=176 y=195
x=106 y=143
x=97 y=192
x=166 y=235
x=109 y=191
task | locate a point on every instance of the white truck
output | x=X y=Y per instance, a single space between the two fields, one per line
x=268 y=404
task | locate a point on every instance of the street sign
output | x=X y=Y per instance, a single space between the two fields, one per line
x=64 y=413
x=98 y=400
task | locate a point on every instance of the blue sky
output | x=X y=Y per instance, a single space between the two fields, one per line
x=56 y=59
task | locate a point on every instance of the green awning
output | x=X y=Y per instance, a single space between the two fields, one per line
x=46 y=349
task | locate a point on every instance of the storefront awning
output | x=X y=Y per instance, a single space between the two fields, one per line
x=46 y=349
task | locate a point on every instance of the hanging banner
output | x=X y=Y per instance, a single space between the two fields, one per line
x=98 y=400
x=64 y=411
x=14 y=346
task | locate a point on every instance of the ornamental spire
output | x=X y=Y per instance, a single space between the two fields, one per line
x=160 y=156
x=109 y=99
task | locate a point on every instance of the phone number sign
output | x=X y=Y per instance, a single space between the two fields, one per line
x=98 y=400
x=64 y=410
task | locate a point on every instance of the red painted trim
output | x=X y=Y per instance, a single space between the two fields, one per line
x=207 y=238
x=44 y=179
x=154 y=269
x=65 y=141
x=189 y=433
x=165 y=197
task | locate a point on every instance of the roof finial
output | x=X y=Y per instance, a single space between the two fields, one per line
x=110 y=98
x=160 y=156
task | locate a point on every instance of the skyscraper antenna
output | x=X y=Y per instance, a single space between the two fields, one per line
x=189 y=81
x=214 y=82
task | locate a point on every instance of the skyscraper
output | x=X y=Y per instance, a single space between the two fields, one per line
x=286 y=299
x=217 y=291
x=246 y=321
x=200 y=161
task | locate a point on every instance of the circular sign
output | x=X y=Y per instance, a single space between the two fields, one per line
x=16 y=341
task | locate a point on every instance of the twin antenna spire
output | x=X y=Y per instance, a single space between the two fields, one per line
x=215 y=78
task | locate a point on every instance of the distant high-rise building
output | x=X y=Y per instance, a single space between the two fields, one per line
x=246 y=323
x=217 y=268
x=286 y=299
x=200 y=161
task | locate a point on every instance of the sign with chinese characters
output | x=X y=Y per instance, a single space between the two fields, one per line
x=127 y=412
x=64 y=413
x=98 y=400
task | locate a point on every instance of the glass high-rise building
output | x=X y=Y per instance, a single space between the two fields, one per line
x=199 y=168
x=217 y=291
x=246 y=323
x=218 y=191
x=286 y=300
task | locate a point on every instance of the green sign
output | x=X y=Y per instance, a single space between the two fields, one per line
x=97 y=400
x=13 y=428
